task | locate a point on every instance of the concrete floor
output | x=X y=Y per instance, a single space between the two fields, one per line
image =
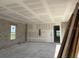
x=29 y=50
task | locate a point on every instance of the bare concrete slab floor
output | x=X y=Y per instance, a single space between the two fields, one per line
x=29 y=50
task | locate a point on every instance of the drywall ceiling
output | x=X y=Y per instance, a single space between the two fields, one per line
x=37 y=11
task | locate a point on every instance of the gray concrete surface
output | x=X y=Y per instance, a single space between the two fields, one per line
x=29 y=50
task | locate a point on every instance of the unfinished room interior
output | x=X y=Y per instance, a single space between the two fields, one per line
x=39 y=29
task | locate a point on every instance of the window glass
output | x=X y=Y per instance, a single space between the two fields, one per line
x=58 y=33
x=13 y=32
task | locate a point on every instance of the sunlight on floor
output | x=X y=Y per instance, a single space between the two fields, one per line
x=57 y=50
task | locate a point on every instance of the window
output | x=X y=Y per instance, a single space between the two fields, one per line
x=13 y=32
x=58 y=33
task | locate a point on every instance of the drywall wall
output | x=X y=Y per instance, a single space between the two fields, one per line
x=47 y=32
x=5 y=33
x=33 y=32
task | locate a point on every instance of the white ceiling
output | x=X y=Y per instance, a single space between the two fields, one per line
x=37 y=11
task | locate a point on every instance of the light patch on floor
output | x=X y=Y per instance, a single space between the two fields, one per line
x=57 y=50
x=29 y=50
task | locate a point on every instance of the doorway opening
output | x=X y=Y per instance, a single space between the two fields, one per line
x=57 y=34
